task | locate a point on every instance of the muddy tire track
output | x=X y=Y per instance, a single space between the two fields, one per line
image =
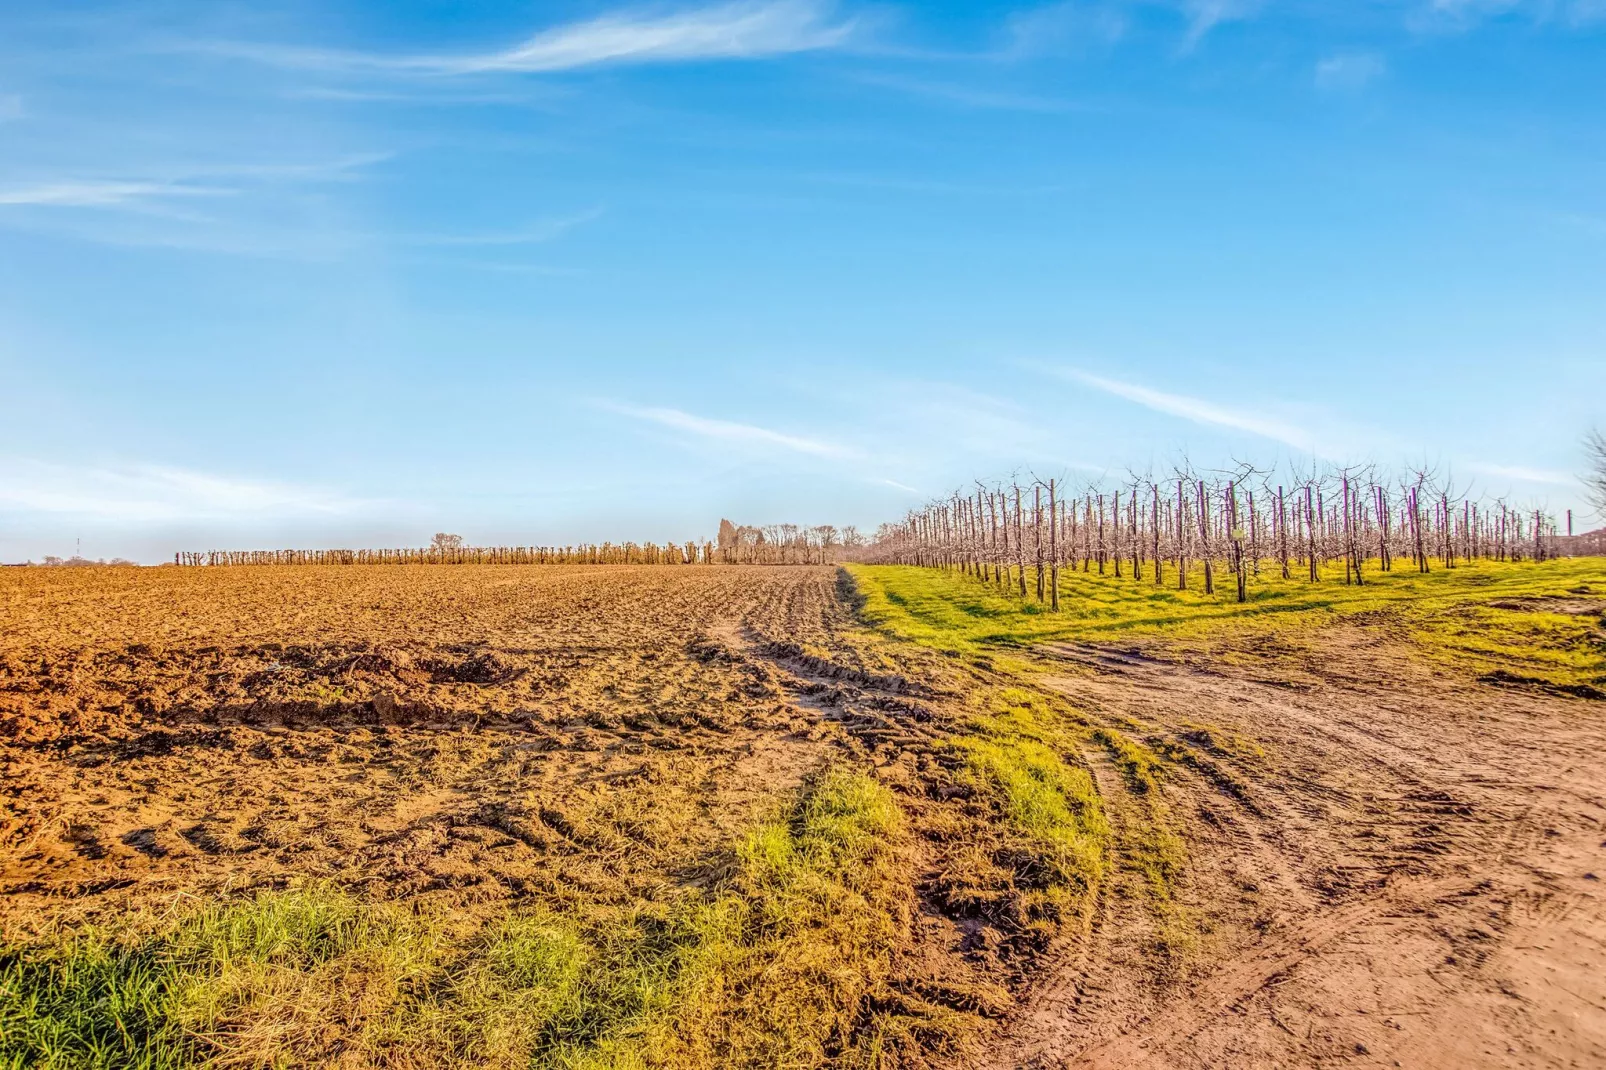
x=1405 y=875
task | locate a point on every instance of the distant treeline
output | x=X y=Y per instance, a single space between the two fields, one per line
x=607 y=553
x=786 y=544
x=1589 y=544
x=776 y=544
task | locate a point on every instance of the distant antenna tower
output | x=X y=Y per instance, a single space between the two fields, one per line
x=78 y=547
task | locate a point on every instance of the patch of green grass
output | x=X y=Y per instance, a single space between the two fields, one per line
x=1453 y=616
x=1041 y=797
x=1218 y=740
x=1558 y=648
x=1047 y=828
x=1154 y=846
x=770 y=968
x=282 y=967
x=1140 y=767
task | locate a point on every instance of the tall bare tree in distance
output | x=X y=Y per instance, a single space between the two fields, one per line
x=1595 y=477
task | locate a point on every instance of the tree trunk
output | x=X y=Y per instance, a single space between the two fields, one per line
x=1037 y=535
x=1159 y=567
x=1282 y=531
x=1020 y=544
x=1053 y=549
x=1115 y=533
x=1182 y=538
x=1310 y=534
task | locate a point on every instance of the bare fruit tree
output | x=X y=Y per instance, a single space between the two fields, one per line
x=1228 y=522
x=1595 y=476
x=443 y=541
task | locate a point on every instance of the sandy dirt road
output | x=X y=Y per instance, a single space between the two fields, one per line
x=1407 y=873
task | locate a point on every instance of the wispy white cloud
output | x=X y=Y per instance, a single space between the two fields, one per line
x=1349 y=70
x=895 y=485
x=500 y=267
x=420 y=96
x=1198 y=410
x=146 y=493
x=347 y=168
x=172 y=182
x=531 y=234
x=746 y=29
x=730 y=431
x=100 y=193
x=1206 y=15
x=1524 y=474
x=1459 y=15
x=250 y=209
x=933 y=186
x=281 y=230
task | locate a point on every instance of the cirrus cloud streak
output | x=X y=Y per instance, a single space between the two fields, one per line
x=746 y=29
x=730 y=431
x=148 y=493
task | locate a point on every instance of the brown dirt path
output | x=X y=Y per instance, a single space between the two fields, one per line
x=1409 y=872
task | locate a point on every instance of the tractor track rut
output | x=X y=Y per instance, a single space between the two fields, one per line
x=1389 y=866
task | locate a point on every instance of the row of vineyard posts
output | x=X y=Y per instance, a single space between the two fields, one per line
x=1188 y=530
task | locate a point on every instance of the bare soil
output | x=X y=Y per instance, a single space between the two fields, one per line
x=1389 y=865
x=470 y=735
x=469 y=740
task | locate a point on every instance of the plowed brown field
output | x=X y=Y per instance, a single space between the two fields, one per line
x=424 y=731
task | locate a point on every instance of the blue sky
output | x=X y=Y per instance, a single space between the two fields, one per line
x=350 y=273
